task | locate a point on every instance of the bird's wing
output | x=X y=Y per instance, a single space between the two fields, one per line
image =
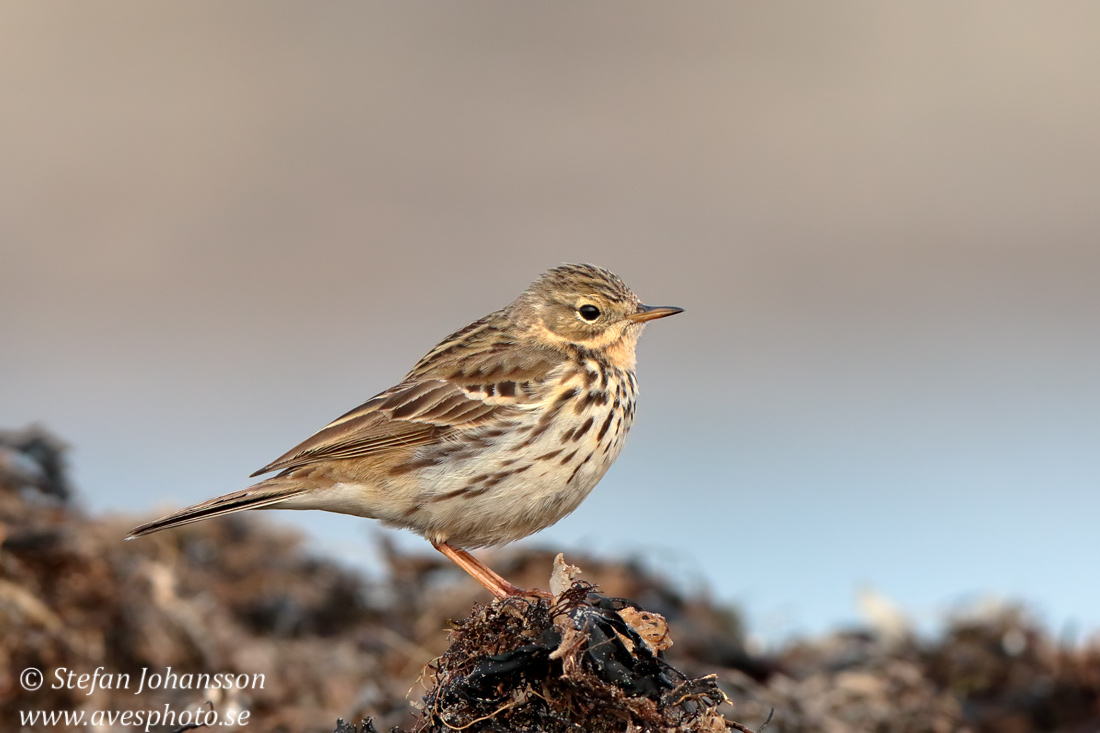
x=410 y=414
x=477 y=376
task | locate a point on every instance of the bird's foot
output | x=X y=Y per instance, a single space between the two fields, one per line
x=536 y=593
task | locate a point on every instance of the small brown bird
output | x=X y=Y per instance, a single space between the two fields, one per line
x=499 y=431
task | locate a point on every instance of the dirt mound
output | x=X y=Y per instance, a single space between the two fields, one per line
x=241 y=597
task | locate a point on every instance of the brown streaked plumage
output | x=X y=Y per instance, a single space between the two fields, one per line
x=499 y=431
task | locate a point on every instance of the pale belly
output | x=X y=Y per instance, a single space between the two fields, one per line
x=520 y=482
x=502 y=482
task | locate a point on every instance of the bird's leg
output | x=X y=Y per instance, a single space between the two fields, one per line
x=481 y=572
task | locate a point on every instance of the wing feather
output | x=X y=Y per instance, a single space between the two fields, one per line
x=409 y=414
x=474 y=377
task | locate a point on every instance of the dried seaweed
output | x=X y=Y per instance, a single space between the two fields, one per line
x=240 y=595
x=524 y=665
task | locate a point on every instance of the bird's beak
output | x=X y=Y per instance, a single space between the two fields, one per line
x=649 y=312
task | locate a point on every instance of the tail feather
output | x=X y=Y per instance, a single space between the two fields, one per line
x=263 y=494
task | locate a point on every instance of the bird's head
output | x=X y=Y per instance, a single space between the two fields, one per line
x=585 y=306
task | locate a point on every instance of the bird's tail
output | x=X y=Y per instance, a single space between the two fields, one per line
x=264 y=494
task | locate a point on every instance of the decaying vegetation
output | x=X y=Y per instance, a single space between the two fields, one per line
x=241 y=596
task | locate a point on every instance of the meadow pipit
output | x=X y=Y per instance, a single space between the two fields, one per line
x=500 y=431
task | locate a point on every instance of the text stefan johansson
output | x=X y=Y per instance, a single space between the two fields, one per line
x=67 y=679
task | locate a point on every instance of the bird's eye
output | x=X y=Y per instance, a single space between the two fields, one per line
x=589 y=312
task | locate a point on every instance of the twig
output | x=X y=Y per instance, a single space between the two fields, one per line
x=478 y=720
x=743 y=729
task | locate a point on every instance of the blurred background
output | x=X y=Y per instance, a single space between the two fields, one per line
x=223 y=225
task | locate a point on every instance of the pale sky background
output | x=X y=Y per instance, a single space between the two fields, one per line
x=224 y=224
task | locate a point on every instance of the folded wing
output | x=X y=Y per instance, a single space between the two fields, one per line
x=410 y=414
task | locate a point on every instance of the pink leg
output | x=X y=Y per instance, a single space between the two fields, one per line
x=481 y=572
